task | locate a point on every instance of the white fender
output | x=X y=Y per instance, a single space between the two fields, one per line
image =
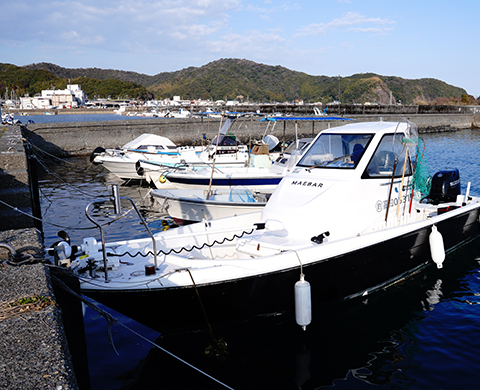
x=303 y=303
x=436 y=247
x=66 y=247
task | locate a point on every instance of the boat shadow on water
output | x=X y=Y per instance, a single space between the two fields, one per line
x=365 y=341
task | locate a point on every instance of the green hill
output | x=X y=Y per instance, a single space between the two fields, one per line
x=229 y=79
x=28 y=80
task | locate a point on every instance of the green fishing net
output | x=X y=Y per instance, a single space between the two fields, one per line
x=422 y=181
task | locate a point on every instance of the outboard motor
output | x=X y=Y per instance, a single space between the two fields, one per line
x=445 y=187
x=96 y=152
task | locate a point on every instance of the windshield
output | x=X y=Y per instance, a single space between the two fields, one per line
x=336 y=151
x=302 y=143
x=391 y=148
x=225 y=140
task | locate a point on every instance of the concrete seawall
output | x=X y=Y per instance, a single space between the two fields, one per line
x=34 y=350
x=81 y=138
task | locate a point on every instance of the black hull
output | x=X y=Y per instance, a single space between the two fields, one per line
x=331 y=280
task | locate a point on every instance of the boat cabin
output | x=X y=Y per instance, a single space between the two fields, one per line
x=351 y=180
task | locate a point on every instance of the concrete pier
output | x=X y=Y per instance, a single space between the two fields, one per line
x=81 y=138
x=34 y=353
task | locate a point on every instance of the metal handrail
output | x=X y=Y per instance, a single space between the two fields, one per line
x=116 y=202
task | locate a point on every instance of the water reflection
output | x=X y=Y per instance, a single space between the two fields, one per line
x=434 y=295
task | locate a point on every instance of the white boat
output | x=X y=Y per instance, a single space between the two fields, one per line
x=180 y=113
x=162 y=151
x=122 y=161
x=9 y=119
x=216 y=178
x=347 y=221
x=260 y=174
x=195 y=205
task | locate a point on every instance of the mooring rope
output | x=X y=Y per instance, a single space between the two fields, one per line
x=50 y=172
x=61 y=226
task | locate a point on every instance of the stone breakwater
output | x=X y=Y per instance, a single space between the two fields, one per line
x=81 y=138
x=33 y=345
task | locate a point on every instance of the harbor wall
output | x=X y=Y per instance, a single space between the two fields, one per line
x=18 y=185
x=34 y=350
x=81 y=138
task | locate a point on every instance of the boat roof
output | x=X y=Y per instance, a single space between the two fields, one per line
x=148 y=139
x=368 y=127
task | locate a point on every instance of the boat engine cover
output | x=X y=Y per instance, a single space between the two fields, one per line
x=445 y=187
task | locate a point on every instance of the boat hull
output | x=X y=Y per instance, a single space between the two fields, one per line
x=124 y=169
x=192 y=205
x=352 y=274
x=265 y=183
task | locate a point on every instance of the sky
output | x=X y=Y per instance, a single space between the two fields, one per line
x=408 y=39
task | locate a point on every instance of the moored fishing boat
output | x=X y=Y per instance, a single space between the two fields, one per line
x=162 y=151
x=195 y=205
x=351 y=218
x=260 y=174
x=121 y=161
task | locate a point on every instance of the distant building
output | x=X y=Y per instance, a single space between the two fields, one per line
x=30 y=103
x=72 y=97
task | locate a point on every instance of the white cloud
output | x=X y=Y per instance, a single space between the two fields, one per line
x=96 y=23
x=247 y=45
x=373 y=30
x=350 y=19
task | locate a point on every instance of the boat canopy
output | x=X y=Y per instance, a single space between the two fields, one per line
x=306 y=118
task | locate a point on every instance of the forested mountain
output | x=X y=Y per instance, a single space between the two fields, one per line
x=26 y=80
x=230 y=79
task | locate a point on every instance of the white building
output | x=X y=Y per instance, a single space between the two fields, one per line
x=71 y=97
x=30 y=103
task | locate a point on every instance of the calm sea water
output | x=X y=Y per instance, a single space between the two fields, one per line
x=421 y=334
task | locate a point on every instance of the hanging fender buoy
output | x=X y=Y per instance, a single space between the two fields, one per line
x=303 y=303
x=436 y=247
x=162 y=179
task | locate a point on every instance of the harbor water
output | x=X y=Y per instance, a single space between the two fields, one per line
x=423 y=333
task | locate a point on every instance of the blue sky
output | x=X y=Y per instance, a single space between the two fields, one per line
x=409 y=39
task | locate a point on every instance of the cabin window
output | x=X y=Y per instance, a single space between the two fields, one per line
x=336 y=151
x=391 y=148
x=148 y=147
x=298 y=145
x=225 y=140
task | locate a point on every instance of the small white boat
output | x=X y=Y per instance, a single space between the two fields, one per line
x=353 y=217
x=161 y=151
x=195 y=205
x=122 y=161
